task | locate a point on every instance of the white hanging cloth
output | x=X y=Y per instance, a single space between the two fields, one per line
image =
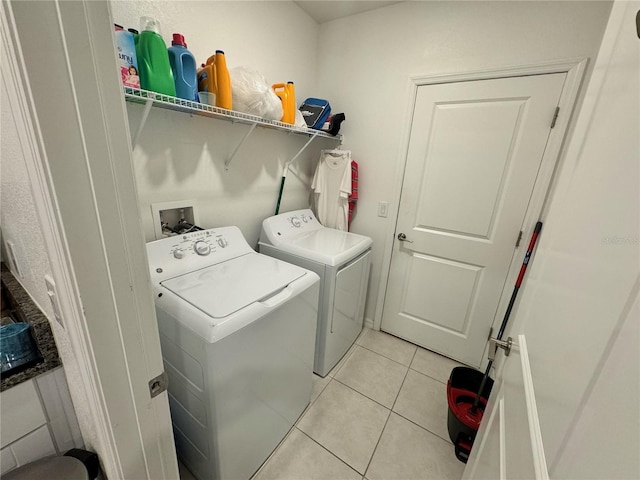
x=331 y=187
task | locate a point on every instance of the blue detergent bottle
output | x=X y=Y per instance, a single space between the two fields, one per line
x=183 y=66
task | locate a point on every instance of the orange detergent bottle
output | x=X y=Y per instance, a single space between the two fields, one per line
x=291 y=98
x=213 y=77
x=287 y=96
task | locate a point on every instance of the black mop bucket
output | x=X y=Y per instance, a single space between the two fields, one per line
x=463 y=422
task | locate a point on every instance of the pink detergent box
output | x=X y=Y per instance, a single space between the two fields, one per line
x=127 y=60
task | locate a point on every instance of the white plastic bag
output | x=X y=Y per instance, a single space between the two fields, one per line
x=300 y=120
x=252 y=94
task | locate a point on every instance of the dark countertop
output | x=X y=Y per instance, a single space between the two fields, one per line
x=21 y=303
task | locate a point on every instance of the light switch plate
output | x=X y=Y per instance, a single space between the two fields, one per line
x=53 y=298
x=383 y=209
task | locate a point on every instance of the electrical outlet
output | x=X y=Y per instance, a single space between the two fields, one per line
x=383 y=209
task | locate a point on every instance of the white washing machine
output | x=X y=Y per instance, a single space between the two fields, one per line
x=342 y=260
x=237 y=332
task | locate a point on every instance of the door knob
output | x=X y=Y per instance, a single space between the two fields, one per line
x=495 y=343
x=403 y=238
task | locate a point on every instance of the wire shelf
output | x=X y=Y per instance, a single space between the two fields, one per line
x=135 y=95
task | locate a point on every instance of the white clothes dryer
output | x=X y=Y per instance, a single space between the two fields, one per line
x=237 y=332
x=341 y=259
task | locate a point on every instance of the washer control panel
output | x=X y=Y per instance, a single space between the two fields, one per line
x=201 y=243
x=191 y=251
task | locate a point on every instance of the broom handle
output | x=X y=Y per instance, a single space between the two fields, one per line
x=505 y=320
x=523 y=268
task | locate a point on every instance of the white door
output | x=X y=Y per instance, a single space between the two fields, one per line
x=510 y=449
x=580 y=303
x=474 y=154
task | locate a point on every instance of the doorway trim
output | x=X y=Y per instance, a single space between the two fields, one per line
x=551 y=160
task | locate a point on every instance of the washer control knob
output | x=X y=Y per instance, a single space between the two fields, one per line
x=295 y=221
x=178 y=253
x=223 y=242
x=202 y=248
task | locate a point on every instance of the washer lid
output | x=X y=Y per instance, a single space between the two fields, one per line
x=327 y=245
x=224 y=288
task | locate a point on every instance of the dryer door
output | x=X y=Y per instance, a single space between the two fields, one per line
x=349 y=301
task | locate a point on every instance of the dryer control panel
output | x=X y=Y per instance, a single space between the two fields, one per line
x=289 y=225
x=179 y=254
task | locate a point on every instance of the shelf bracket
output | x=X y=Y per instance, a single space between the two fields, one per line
x=232 y=156
x=287 y=166
x=304 y=147
x=143 y=121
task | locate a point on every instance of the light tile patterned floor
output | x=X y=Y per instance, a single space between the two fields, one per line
x=380 y=414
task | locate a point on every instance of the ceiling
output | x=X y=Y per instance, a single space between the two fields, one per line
x=326 y=10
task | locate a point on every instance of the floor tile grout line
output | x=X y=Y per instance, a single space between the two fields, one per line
x=381 y=431
x=320 y=392
x=275 y=450
x=391 y=409
x=345 y=358
x=448 y=441
x=363 y=394
x=373 y=453
x=388 y=358
x=308 y=407
x=429 y=376
x=395 y=400
x=408 y=419
x=415 y=352
x=329 y=451
x=400 y=389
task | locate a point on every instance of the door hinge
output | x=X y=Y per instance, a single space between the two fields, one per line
x=159 y=384
x=519 y=239
x=555 y=117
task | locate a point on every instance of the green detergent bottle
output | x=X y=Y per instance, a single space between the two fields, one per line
x=153 y=59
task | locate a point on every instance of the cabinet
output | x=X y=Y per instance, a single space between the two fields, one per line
x=37 y=420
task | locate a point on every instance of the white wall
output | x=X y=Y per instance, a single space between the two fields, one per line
x=20 y=225
x=18 y=215
x=276 y=38
x=364 y=71
x=182 y=157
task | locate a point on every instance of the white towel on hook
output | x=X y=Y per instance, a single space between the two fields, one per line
x=332 y=187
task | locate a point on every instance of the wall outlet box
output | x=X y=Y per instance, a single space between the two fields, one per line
x=170 y=212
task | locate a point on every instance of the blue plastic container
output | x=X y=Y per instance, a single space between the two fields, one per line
x=183 y=66
x=315 y=112
x=17 y=348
